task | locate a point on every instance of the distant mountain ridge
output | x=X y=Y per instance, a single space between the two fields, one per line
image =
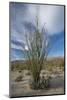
x=54 y=61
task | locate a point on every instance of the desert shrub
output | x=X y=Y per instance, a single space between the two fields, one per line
x=50 y=68
x=18 y=65
x=28 y=73
x=38 y=48
x=20 y=71
x=18 y=79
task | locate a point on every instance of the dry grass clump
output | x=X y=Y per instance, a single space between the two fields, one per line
x=28 y=73
x=18 y=79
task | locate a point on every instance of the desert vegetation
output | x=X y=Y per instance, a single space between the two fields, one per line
x=38 y=49
x=50 y=64
x=51 y=81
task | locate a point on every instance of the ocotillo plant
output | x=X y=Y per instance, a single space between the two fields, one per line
x=38 y=48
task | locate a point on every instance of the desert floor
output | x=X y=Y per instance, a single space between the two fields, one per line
x=22 y=87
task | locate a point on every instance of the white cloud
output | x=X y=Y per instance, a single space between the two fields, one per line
x=26 y=47
x=18 y=47
x=53 y=16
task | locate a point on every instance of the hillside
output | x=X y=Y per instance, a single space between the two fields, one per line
x=50 y=63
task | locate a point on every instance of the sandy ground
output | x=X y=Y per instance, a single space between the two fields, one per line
x=22 y=88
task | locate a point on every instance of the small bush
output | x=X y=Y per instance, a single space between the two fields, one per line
x=20 y=71
x=18 y=79
x=28 y=73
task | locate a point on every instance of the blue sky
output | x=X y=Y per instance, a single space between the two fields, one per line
x=22 y=17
